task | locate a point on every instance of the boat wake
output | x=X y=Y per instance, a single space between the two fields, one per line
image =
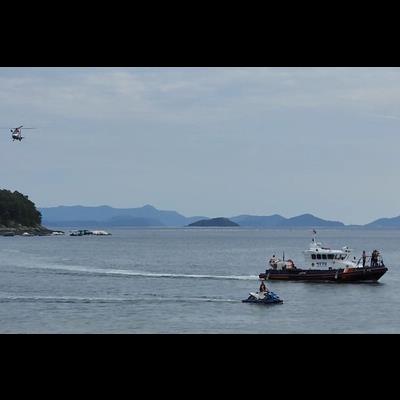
x=75 y=269
x=77 y=299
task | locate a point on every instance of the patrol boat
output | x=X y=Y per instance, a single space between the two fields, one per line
x=324 y=264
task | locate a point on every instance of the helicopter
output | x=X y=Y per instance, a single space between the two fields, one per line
x=16 y=133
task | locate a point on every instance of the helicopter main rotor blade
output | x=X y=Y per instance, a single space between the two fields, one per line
x=16 y=128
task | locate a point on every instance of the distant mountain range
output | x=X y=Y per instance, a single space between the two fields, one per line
x=148 y=215
x=277 y=221
x=385 y=223
x=109 y=216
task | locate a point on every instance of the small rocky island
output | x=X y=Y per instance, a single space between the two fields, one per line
x=19 y=216
x=214 y=222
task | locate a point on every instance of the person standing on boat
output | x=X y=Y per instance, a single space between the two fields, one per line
x=273 y=261
x=364 y=257
x=374 y=258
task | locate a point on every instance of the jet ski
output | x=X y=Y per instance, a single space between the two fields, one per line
x=263 y=298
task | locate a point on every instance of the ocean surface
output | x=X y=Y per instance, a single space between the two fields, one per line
x=188 y=280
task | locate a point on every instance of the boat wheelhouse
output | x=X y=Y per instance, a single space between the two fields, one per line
x=325 y=257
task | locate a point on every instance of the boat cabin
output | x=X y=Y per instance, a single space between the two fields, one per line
x=318 y=256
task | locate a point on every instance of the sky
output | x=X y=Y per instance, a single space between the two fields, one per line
x=219 y=141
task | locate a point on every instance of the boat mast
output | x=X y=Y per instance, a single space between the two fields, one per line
x=314 y=239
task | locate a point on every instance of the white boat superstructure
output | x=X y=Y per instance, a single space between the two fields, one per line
x=318 y=256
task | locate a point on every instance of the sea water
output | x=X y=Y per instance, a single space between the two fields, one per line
x=188 y=280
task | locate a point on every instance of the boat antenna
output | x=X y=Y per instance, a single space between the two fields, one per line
x=283 y=258
x=314 y=238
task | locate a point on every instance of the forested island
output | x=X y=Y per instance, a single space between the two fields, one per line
x=214 y=222
x=19 y=215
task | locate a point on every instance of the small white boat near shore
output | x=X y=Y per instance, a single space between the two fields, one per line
x=101 y=233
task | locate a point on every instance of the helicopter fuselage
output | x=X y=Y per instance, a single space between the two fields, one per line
x=16 y=134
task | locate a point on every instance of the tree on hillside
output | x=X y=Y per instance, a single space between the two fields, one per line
x=16 y=208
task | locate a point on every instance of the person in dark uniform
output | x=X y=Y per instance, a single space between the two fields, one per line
x=374 y=258
x=364 y=257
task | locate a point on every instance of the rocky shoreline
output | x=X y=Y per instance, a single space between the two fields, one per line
x=20 y=230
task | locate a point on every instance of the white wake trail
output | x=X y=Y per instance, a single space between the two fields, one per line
x=123 y=272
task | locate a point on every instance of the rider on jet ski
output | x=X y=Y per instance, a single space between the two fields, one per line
x=263 y=296
x=263 y=288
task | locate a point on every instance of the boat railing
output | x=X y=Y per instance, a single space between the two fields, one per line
x=369 y=262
